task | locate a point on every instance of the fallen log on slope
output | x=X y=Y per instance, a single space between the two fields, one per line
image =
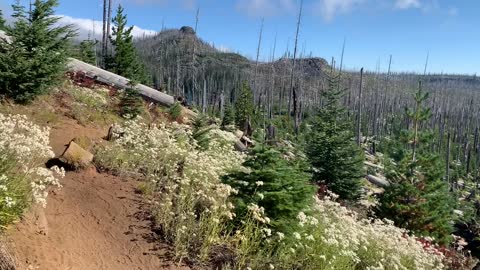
x=378 y=181
x=118 y=81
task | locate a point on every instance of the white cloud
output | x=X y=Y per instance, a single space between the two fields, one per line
x=87 y=27
x=330 y=8
x=266 y=8
x=406 y=4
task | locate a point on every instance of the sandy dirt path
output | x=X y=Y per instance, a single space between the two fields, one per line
x=96 y=221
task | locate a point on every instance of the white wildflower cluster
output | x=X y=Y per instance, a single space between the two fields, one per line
x=192 y=207
x=335 y=233
x=42 y=179
x=258 y=213
x=190 y=199
x=26 y=140
x=26 y=147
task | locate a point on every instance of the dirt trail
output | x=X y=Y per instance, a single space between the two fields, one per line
x=95 y=221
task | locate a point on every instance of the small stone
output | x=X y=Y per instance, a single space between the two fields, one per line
x=76 y=156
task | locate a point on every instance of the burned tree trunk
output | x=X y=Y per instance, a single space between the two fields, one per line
x=359 y=112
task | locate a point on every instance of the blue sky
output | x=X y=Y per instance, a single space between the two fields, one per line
x=373 y=29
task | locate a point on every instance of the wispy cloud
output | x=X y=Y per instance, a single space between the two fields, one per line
x=266 y=8
x=406 y=4
x=328 y=9
x=87 y=27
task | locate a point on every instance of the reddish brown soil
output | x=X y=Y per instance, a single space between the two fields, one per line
x=96 y=221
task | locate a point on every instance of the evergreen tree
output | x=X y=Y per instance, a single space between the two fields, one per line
x=280 y=186
x=418 y=199
x=200 y=131
x=87 y=51
x=244 y=107
x=3 y=23
x=125 y=61
x=336 y=160
x=130 y=103
x=36 y=58
x=229 y=117
x=175 y=111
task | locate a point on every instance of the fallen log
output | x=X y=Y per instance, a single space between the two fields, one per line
x=378 y=181
x=119 y=82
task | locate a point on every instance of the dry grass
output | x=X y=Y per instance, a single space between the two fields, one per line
x=47 y=115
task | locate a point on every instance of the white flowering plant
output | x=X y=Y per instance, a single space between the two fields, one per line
x=194 y=209
x=24 y=150
x=190 y=203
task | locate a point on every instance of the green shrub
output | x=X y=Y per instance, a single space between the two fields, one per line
x=201 y=130
x=130 y=103
x=14 y=191
x=278 y=185
x=175 y=111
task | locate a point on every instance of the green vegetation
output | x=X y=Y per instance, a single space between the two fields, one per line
x=3 y=23
x=124 y=59
x=244 y=107
x=36 y=58
x=278 y=185
x=201 y=130
x=229 y=117
x=175 y=111
x=87 y=51
x=336 y=160
x=130 y=103
x=419 y=198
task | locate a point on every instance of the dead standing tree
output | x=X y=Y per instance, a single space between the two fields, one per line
x=359 y=112
x=293 y=90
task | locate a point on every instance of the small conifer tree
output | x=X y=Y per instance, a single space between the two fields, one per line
x=175 y=111
x=130 y=103
x=229 y=117
x=87 y=51
x=36 y=58
x=280 y=186
x=336 y=160
x=3 y=23
x=125 y=62
x=244 y=107
x=418 y=199
x=201 y=129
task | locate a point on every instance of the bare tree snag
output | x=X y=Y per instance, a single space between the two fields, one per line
x=359 y=110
